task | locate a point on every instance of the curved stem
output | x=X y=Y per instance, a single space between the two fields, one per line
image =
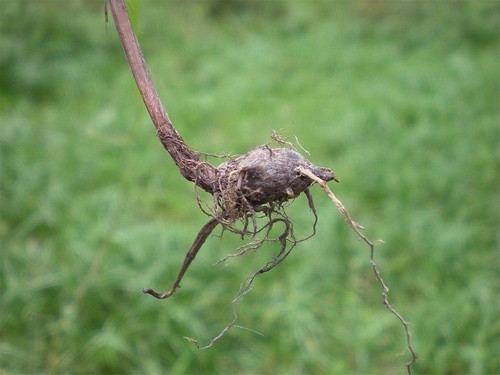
x=188 y=161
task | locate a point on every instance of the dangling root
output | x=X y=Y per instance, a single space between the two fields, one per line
x=357 y=228
x=198 y=242
x=285 y=237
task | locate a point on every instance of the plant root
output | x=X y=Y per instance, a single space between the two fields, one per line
x=357 y=229
x=257 y=183
x=284 y=238
x=198 y=242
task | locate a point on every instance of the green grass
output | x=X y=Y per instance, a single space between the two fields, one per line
x=400 y=99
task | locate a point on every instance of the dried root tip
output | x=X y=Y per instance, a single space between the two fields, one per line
x=156 y=294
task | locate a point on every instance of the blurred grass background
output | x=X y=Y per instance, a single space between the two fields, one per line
x=399 y=98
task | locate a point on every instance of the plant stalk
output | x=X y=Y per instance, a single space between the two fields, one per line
x=188 y=161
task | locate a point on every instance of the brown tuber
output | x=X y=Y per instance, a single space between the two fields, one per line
x=266 y=175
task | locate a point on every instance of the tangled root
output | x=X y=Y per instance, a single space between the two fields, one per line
x=250 y=187
x=259 y=182
x=256 y=186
